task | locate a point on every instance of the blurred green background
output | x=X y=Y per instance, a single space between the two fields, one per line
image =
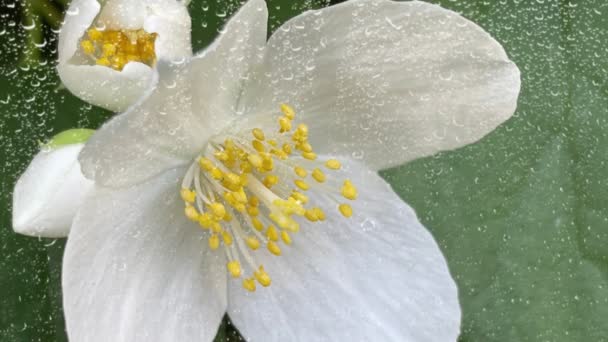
x=522 y=216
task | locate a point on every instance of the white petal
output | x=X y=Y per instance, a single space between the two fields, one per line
x=193 y=101
x=378 y=276
x=136 y=270
x=387 y=81
x=106 y=87
x=49 y=193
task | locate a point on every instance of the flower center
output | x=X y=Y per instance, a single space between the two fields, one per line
x=115 y=49
x=249 y=190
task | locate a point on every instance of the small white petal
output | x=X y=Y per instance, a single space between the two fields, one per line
x=49 y=193
x=136 y=270
x=193 y=101
x=387 y=81
x=377 y=276
x=106 y=87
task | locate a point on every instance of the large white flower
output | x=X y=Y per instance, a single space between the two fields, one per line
x=204 y=183
x=107 y=48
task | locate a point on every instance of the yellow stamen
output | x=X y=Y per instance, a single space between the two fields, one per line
x=258 y=134
x=288 y=111
x=249 y=284
x=214 y=242
x=300 y=171
x=318 y=175
x=273 y=248
x=301 y=184
x=234 y=267
x=346 y=210
x=349 y=191
x=333 y=164
x=253 y=242
x=262 y=277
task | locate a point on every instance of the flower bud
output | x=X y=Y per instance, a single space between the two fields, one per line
x=49 y=193
x=108 y=50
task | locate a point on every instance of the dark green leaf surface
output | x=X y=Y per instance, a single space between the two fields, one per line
x=521 y=216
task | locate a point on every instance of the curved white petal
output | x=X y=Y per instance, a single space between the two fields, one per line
x=136 y=270
x=106 y=87
x=191 y=102
x=387 y=81
x=378 y=276
x=49 y=193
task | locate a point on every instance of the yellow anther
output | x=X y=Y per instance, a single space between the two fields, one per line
x=254 y=201
x=191 y=213
x=255 y=160
x=108 y=50
x=285 y=237
x=268 y=164
x=227 y=217
x=301 y=184
x=318 y=175
x=302 y=129
x=205 y=220
x=288 y=111
x=253 y=211
x=232 y=181
x=271 y=180
x=306 y=147
x=319 y=213
x=300 y=197
x=222 y=156
x=258 y=134
x=349 y=191
x=272 y=142
x=249 y=284
x=252 y=242
x=333 y=164
x=227 y=237
x=234 y=267
x=311 y=215
x=273 y=248
x=262 y=277
x=240 y=196
x=214 y=242
x=206 y=164
x=279 y=153
x=103 y=61
x=246 y=167
x=87 y=47
x=216 y=173
x=286 y=148
x=309 y=155
x=217 y=209
x=346 y=210
x=187 y=195
x=285 y=124
x=300 y=171
x=272 y=233
x=257 y=224
x=94 y=34
x=216 y=227
x=258 y=146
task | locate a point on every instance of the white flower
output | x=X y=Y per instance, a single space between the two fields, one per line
x=106 y=53
x=49 y=193
x=196 y=189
